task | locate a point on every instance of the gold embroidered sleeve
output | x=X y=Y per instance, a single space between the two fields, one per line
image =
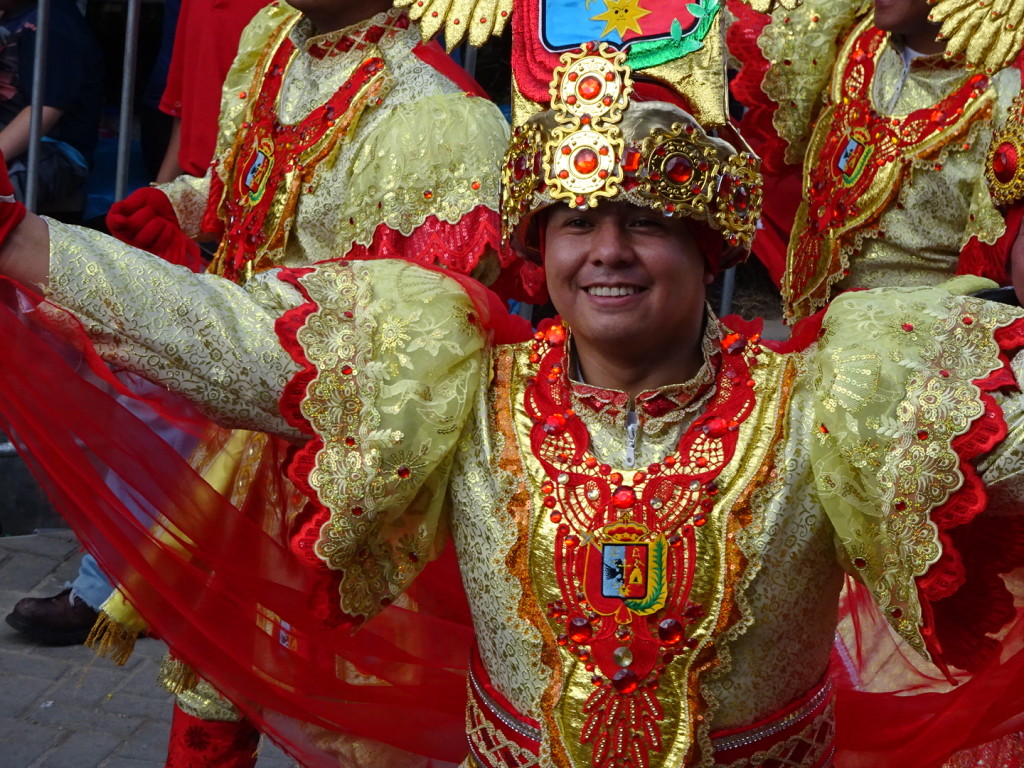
x=398 y=355
x=893 y=382
x=801 y=46
x=188 y=195
x=202 y=336
x=438 y=156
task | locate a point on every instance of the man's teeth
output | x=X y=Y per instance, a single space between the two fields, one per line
x=612 y=290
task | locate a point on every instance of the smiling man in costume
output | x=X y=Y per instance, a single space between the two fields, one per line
x=728 y=479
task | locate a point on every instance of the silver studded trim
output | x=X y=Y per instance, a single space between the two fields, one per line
x=746 y=738
x=507 y=719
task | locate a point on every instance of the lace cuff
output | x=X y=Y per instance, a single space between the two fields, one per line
x=391 y=358
x=903 y=385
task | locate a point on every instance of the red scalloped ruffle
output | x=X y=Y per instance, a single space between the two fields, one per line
x=992 y=261
x=458 y=248
x=964 y=595
x=757 y=124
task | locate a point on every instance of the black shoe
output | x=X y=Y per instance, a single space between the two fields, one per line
x=58 y=620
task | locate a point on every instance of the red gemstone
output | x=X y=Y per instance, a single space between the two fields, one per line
x=670 y=631
x=631 y=160
x=404 y=472
x=580 y=629
x=585 y=161
x=908 y=327
x=716 y=427
x=519 y=167
x=1004 y=164
x=625 y=681
x=555 y=334
x=742 y=198
x=679 y=169
x=624 y=497
x=589 y=88
x=554 y=423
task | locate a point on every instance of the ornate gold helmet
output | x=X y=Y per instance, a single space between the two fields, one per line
x=638 y=115
x=596 y=143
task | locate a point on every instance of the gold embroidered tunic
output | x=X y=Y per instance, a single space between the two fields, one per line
x=914 y=224
x=381 y=170
x=426 y=429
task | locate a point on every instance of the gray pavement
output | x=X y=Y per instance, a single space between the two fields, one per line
x=64 y=707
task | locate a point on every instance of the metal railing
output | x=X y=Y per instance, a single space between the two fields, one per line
x=128 y=76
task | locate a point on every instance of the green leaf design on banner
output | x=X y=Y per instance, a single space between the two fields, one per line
x=648 y=54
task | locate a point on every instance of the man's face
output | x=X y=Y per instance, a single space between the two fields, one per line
x=626 y=278
x=904 y=17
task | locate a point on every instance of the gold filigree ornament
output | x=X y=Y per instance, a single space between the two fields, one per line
x=478 y=18
x=595 y=143
x=988 y=33
x=1004 y=169
x=588 y=95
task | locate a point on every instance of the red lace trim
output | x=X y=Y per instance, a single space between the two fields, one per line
x=963 y=594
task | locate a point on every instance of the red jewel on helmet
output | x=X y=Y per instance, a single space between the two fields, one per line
x=589 y=88
x=679 y=169
x=585 y=161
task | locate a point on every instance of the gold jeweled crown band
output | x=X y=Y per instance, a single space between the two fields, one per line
x=595 y=143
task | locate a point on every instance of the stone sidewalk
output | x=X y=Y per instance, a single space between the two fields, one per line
x=64 y=707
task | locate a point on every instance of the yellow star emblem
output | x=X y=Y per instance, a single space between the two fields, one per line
x=621 y=15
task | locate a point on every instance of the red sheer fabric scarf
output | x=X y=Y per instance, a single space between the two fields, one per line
x=219 y=583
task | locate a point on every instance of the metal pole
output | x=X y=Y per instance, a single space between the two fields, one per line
x=469 y=59
x=728 y=291
x=124 y=130
x=35 y=125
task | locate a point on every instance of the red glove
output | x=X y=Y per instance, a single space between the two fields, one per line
x=146 y=220
x=12 y=211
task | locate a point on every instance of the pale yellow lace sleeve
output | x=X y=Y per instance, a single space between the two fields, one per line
x=801 y=45
x=893 y=385
x=199 y=335
x=1003 y=468
x=437 y=156
x=395 y=354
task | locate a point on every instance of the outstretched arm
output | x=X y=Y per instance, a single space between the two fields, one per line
x=24 y=241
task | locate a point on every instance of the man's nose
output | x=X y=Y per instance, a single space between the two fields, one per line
x=611 y=243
